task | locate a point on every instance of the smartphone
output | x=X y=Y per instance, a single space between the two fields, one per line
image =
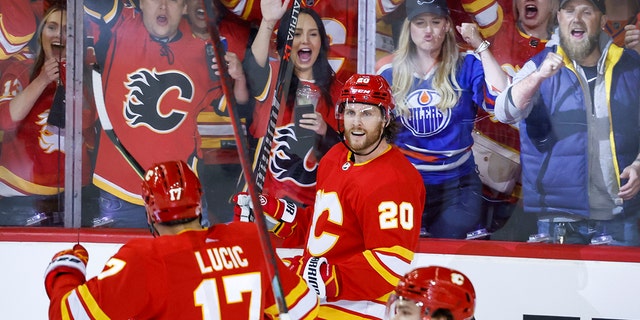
x=305 y=138
x=298 y=111
x=209 y=53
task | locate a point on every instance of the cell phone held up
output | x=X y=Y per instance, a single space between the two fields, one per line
x=298 y=111
x=304 y=138
x=210 y=55
x=306 y=101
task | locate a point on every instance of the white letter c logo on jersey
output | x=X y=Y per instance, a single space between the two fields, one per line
x=328 y=203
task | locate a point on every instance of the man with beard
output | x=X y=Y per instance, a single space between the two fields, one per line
x=363 y=229
x=577 y=108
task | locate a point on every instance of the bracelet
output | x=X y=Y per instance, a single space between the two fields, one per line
x=482 y=47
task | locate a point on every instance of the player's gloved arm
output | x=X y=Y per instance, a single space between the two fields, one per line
x=320 y=276
x=67 y=269
x=280 y=214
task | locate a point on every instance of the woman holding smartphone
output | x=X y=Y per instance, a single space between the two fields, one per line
x=291 y=171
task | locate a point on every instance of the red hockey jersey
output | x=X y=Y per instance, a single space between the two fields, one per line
x=214 y=124
x=219 y=273
x=153 y=92
x=366 y=221
x=32 y=156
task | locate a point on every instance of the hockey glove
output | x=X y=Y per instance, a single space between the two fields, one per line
x=243 y=210
x=71 y=261
x=280 y=214
x=321 y=277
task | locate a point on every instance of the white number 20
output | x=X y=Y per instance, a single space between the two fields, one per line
x=393 y=215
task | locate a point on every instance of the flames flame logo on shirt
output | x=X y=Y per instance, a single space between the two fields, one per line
x=426 y=119
x=147 y=92
x=48 y=139
x=285 y=165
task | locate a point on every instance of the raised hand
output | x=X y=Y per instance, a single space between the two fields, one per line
x=470 y=34
x=551 y=65
x=273 y=10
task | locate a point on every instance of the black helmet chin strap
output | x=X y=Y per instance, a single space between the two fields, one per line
x=152 y=227
x=153 y=230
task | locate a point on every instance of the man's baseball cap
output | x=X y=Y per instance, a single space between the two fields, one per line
x=596 y=3
x=418 y=7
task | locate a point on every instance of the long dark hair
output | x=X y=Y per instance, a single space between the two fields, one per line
x=323 y=74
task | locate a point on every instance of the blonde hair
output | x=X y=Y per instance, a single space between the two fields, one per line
x=444 y=81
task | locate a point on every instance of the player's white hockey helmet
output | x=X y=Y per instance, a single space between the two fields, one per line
x=171 y=191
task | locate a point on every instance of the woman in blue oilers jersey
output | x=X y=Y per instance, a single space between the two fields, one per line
x=438 y=91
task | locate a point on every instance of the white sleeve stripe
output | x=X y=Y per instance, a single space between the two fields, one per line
x=393 y=263
x=304 y=305
x=76 y=308
x=360 y=308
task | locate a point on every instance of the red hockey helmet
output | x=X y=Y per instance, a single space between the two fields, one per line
x=433 y=288
x=171 y=191
x=366 y=88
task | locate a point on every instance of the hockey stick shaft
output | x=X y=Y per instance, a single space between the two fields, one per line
x=98 y=95
x=241 y=141
x=281 y=92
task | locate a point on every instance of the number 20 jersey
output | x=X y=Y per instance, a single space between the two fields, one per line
x=366 y=222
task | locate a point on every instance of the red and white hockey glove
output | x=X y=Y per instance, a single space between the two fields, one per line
x=243 y=210
x=321 y=277
x=280 y=214
x=71 y=261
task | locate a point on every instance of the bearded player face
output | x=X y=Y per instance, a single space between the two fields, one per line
x=363 y=126
x=580 y=26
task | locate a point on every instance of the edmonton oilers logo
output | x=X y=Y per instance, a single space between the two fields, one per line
x=426 y=119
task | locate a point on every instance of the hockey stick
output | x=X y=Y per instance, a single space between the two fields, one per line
x=241 y=141
x=98 y=95
x=280 y=94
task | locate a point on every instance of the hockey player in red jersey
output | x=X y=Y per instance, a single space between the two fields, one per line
x=432 y=293
x=185 y=273
x=363 y=230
